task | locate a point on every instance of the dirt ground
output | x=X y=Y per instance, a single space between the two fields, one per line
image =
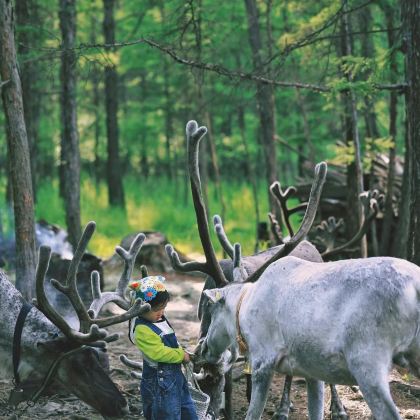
x=185 y=292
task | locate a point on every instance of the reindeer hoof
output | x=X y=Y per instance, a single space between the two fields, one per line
x=342 y=415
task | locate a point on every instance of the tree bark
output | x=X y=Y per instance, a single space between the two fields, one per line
x=372 y=131
x=70 y=155
x=114 y=175
x=388 y=220
x=27 y=18
x=18 y=153
x=265 y=103
x=410 y=14
x=96 y=101
x=354 y=171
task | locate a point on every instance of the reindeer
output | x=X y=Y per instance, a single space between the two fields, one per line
x=220 y=273
x=48 y=353
x=364 y=315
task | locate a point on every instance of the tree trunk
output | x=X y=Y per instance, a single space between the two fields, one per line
x=250 y=171
x=410 y=14
x=18 y=153
x=26 y=18
x=265 y=103
x=372 y=131
x=215 y=165
x=70 y=155
x=114 y=176
x=354 y=171
x=96 y=101
x=170 y=173
x=388 y=220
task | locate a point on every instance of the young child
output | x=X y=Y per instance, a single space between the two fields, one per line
x=163 y=387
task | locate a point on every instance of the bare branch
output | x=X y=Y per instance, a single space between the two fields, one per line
x=236 y=74
x=3 y=83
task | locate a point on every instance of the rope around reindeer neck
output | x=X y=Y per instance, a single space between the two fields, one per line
x=243 y=347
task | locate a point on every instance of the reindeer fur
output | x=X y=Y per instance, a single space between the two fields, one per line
x=341 y=322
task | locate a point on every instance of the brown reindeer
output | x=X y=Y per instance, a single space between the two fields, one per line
x=48 y=353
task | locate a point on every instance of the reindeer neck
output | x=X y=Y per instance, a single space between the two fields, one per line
x=36 y=328
x=235 y=291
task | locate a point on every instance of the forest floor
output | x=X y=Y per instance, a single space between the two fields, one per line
x=185 y=292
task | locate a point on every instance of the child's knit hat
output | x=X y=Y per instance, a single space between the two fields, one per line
x=148 y=287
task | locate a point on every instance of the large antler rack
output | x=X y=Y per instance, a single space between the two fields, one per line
x=371 y=201
x=211 y=266
x=91 y=328
x=308 y=219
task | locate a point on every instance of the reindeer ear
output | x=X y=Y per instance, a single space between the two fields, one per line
x=214 y=295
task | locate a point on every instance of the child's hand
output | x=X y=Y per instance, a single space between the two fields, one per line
x=186 y=357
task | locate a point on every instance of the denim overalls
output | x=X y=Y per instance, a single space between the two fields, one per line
x=164 y=390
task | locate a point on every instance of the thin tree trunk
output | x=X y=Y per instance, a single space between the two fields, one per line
x=168 y=103
x=96 y=101
x=252 y=178
x=400 y=247
x=215 y=165
x=26 y=18
x=70 y=155
x=265 y=102
x=114 y=175
x=393 y=102
x=18 y=153
x=355 y=170
x=410 y=14
x=367 y=50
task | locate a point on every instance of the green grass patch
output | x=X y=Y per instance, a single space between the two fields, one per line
x=156 y=204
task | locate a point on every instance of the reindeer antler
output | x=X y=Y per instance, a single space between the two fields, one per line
x=221 y=235
x=327 y=230
x=211 y=266
x=118 y=296
x=90 y=331
x=308 y=219
x=282 y=197
x=371 y=201
x=275 y=229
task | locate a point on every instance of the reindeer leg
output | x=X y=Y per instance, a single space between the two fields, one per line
x=228 y=395
x=372 y=379
x=282 y=412
x=315 y=399
x=338 y=411
x=261 y=380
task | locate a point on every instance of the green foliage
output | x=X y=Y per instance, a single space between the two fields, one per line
x=158 y=95
x=344 y=153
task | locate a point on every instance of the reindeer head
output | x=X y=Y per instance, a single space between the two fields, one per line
x=79 y=354
x=220 y=274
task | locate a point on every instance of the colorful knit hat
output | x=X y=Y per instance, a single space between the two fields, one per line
x=148 y=287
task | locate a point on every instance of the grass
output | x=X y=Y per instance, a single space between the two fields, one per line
x=155 y=204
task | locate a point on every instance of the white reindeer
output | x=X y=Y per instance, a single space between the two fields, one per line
x=341 y=322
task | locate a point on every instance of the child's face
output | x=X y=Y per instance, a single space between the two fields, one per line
x=155 y=314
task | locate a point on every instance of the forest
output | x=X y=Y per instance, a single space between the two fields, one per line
x=99 y=103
